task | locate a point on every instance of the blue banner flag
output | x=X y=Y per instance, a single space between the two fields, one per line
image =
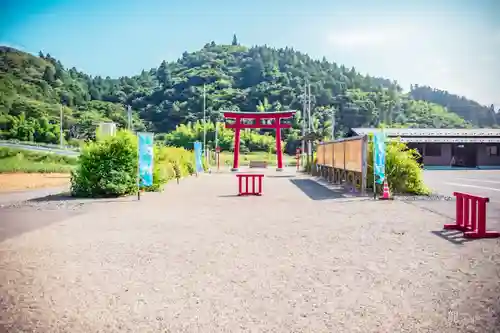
x=379 y=157
x=146 y=158
x=197 y=157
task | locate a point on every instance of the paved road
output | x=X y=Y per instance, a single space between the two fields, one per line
x=479 y=182
x=57 y=151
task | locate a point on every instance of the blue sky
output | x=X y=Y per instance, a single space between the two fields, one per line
x=448 y=44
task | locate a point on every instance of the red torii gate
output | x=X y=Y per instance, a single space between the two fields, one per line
x=254 y=120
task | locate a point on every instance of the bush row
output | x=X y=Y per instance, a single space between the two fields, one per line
x=108 y=167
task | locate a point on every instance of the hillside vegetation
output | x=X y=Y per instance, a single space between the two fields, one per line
x=236 y=78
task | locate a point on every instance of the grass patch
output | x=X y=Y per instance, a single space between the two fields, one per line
x=25 y=161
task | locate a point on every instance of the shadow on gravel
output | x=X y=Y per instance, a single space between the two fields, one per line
x=317 y=191
x=63 y=197
x=25 y=216
x=17 y=221
x=453 y=236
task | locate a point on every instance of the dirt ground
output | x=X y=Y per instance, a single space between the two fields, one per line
x=198 y=258
x=26 y=181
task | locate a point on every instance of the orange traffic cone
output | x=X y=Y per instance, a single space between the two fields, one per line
x=386 y=195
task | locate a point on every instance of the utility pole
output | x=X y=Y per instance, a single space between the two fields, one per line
x=309 y=143
x=204 y=122
x=309 y=108
x=129 y=117
x=333 y=124
x=61 y=126
x=216 y=130
x=304 y=118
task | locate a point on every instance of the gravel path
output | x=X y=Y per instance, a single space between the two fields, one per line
x=198 y=259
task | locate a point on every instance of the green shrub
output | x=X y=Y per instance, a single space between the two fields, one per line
x=403 y=172
x=107 y=167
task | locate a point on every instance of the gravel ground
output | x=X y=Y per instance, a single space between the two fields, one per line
x=199 y=259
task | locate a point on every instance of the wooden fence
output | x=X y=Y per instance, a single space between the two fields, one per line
x=344 y=161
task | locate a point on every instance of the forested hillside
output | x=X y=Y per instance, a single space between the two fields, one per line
x=477 y=114
x=236 y=78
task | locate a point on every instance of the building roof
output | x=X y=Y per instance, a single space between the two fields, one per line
x=432 y=132
x=437 y=139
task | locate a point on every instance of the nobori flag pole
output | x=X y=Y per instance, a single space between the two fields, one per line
x=204 y=123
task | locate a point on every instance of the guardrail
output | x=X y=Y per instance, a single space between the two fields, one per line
x=58 y=151
x=39 y=144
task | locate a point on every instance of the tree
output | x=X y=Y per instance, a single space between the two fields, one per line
x=235 y=40
x=49 y=75
x=163 y=75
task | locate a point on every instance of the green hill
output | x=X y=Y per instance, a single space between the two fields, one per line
x=477 y=114
x=236 y=78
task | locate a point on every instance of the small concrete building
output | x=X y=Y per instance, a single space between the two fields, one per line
x=445 y=148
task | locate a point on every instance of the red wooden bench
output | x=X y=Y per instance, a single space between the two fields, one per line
x=246 y=179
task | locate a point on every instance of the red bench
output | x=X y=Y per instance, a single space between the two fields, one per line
x=246 y=178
